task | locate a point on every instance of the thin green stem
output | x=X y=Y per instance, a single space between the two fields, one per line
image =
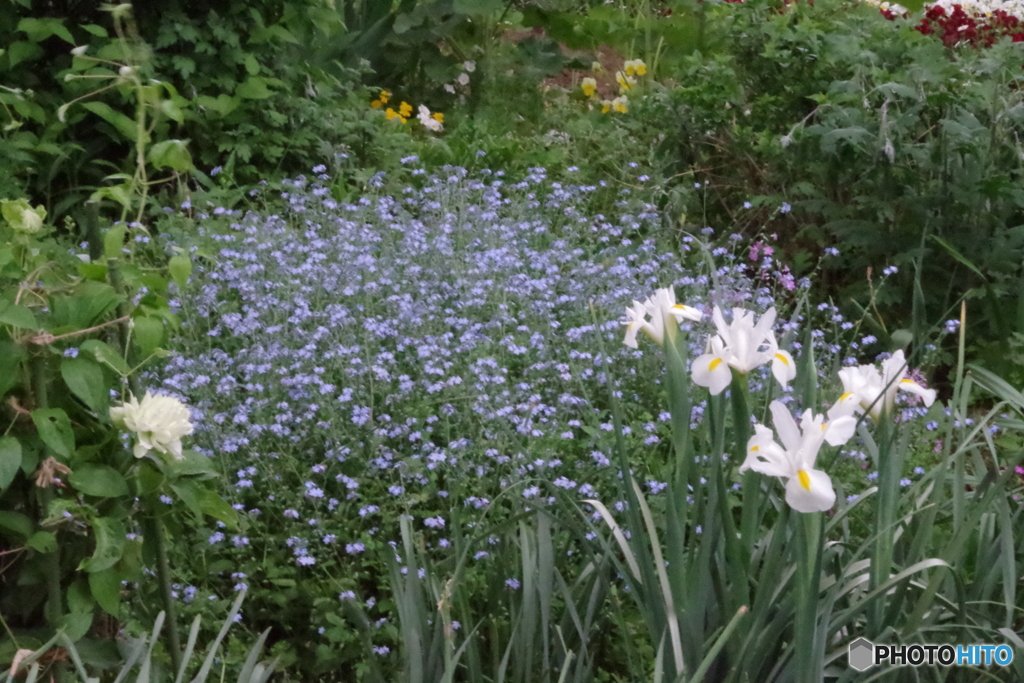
x=808 y=551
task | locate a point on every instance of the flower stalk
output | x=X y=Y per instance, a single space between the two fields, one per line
x=807 y=556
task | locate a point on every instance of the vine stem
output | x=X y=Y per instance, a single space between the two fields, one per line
x=54 y=609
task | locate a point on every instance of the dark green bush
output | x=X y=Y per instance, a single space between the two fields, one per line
x=887 y=145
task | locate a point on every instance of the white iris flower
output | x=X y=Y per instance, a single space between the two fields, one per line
x=660 y=308
x=742 y=346
x=868 y=389
x=807 y=489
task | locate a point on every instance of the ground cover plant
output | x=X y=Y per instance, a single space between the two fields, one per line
x=477 y=309
x=482 y=396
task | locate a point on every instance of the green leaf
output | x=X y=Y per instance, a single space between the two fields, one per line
x=15 y=521
x=85 y=379
x=98 y=480
x=86 y=306
x=222 y=104
x=171 y=108
x=42 y=541
x=106 y=588
x=149 y=477
x=901 y=338
x=148 y=334
x=39 y=30
x=958 y=256
x=190 y=494
x=95 y=29
x=192 y=463
x=113 y=241
x=11 y=357
x=79 y=597
x=180 y=267
x=109 y=544
x=55 y=430
x=106 y=355
x=18 y=316
x=171 y=154
x=75 y=625
x=122 y=123
x=97 y=272
x=254 y=88
x=23 y=51
x=214 y=505
x=252 y=66
x=10 y=460
x=118 y=193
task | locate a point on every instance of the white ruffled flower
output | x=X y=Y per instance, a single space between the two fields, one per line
x=159 y=422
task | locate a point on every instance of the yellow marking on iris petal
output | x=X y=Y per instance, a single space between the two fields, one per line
x=782 y=358
x=805 y=479
x=824 y=425
x=714 y=363
x=681 y=307
x=907 y=381
x=845 y=396
x=755 y=448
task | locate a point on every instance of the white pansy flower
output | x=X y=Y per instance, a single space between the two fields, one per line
x=660 y=307
x=463 y=79
x=469 y=66
x=807 y=489
x=868 y=389
x=159 y=422
x=742 y=346
x=428 y=121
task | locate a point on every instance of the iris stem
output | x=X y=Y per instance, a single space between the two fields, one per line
x=808 y=561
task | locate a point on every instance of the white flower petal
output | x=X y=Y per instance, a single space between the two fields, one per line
x=712 y=372
x=682 y=312
x=783 y=367
x=765 y=456
x=840 y=430
x=928 y=395
x=810 y=491
x=785 y=427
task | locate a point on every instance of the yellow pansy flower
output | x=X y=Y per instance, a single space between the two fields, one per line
x=635 y=67
x=589 y=86
x=625 y=82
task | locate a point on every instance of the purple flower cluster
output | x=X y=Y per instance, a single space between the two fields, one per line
x=425 y=352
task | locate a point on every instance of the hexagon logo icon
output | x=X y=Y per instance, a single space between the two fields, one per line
x=862 y=654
